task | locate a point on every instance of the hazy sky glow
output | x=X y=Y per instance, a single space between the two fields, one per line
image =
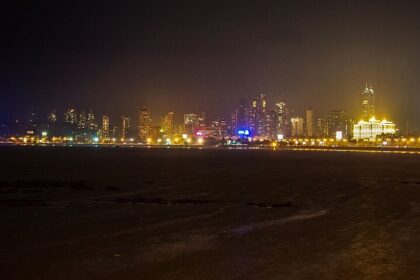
x=186 y=56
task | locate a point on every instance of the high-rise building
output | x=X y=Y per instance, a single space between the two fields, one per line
x=258 y=120
x=271 y=124
x=82 y=122
x=192 y=122
x=309 y=122
x=90 y=121
x=70 y=116
x=338 y=121
x=282 y=119
x=297 y=126
x=234 y=123
x=125 y=125
x=52 y=117
x=145 y=123
x=242 y=115
x=105 y=127
x=368 y=103
x=218 y=128
x=321 y=127
x=168 y=124
x=223 y=128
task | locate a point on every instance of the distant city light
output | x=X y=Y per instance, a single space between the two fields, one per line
x=243 y=132
x=253 y=123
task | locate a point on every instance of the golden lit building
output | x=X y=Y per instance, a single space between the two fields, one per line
x=145 y=124
x=168 y=124
x=105 y=127
x=125 y=125
x=369 y=130
x=297 y=126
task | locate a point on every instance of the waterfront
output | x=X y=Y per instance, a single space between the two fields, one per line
x=105 y=213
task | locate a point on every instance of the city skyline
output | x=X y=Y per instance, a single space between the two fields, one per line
x=255 y=119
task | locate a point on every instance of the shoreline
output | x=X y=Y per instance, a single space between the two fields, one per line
x=401 y=150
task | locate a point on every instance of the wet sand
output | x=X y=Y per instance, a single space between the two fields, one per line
x=121 y=213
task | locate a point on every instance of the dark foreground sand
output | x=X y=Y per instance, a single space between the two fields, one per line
x=106 y=213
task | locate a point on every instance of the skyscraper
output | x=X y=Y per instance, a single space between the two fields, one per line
x=282 y=119
x=52 y=117
x=168 y=124
x=258 y=119
x=145 y=123
x=368 y=103
x=234 y=123
x=125 y=125
x=70 y=116
x=321 y=127
x=309 y=122
x=105 y=127
x=192 y=122
x=297 y=126
x=90 y=121
x=338 y=121
x=82 y=121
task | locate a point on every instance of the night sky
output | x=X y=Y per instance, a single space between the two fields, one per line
x=193 y=56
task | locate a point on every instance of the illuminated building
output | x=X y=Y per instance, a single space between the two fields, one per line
x=105 y=127
x=52 y=117
x=155 y=133
x=217 y=129
x=82 y=123
x=145 y=124
x=223 y=128
x=369 y=130
x=168 y=124
x=321 y=127
x=297 y=126
x=70 y=116
x=234 y=123
x=338 y=121
x=125 y=125
x=90 y=121
x=282 y=119
x=270 y=124
x=258 y=120
x=309 y=122
x=240 y=117
x=368 y=103
x=192 y=122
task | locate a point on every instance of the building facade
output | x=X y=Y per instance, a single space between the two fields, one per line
x=297 y=126
x=145 y=124
x=371 y=129
x=105 y=127
x=309 y=122
x=338 y=121
x=368 y=103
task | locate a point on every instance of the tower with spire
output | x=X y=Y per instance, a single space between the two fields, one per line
x=368 y=102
